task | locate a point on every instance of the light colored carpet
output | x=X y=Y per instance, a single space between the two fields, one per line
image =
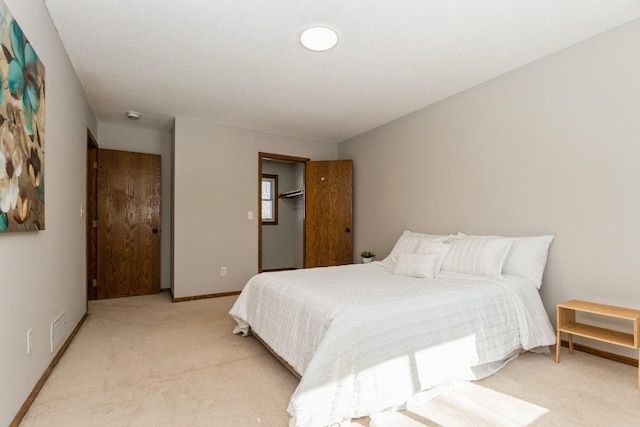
x=144 y=361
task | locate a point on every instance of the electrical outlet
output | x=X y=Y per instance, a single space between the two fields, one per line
x=223 y=271
x=29 y=340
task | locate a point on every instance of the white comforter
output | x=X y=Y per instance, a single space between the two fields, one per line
x=365 y=340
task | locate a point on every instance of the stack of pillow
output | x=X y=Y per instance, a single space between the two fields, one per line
x=426 y=255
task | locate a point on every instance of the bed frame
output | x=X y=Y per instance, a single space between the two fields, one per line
x=278 y=358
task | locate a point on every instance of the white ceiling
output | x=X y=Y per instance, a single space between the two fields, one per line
x=240 y=63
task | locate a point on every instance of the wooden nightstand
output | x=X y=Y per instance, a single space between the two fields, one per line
x=566 y=319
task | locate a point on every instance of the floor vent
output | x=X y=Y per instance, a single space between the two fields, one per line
x=58 y=331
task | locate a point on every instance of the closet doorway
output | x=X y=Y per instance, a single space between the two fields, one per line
x=306 y=215
x=281 y=218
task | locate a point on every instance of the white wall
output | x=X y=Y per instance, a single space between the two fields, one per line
x=215 y=186
x=142 y=140
x=552 y=147
x=43 y=273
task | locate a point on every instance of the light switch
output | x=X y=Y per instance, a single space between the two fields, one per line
x=250 y=215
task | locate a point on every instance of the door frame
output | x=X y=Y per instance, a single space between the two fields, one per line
x=282 y=158
x=91 y=250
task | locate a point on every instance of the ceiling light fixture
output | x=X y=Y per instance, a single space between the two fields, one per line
x=133 y=115
x=319 y=39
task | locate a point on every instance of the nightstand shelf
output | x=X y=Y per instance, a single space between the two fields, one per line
x=566 y=319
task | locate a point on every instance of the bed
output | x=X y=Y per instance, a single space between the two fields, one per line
x=366 y=338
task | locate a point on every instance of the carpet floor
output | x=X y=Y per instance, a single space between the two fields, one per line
x=145 y=361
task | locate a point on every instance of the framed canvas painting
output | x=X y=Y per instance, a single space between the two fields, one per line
x=21 y=130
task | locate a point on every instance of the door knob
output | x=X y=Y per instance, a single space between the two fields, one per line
x=154 y=231
x=347 y=230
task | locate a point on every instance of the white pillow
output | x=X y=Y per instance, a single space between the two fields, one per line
x=432 y=247
x=407 y=243
x=527 y=257
x=477 y=256
x=416 y=265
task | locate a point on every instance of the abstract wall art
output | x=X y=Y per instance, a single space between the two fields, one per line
x=21 y=130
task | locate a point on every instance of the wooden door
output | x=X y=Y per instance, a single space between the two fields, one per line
x=328 y=213
x=128 y=224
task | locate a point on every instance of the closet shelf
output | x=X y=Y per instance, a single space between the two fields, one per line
x=292 y=193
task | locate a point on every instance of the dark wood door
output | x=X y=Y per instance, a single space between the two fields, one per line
x=328 y=213
x=128 y=224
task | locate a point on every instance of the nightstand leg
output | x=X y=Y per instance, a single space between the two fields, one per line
x=570 y=343
x=638 y=370
x=558 y=349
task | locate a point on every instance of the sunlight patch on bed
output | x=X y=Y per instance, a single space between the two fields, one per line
x=464 y=403
x=450 y=357
x=405 y=374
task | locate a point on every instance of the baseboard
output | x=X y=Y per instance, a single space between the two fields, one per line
x=197 y=297
x=601 y=353
x=43 y=379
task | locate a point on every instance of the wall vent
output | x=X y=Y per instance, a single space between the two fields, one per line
x=58 y=331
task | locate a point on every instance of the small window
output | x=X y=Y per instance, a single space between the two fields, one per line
x=269 y=199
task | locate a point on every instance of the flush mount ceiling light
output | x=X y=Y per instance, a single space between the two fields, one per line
x=319 y=39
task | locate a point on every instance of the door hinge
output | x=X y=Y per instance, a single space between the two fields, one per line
x=95 y=223
x=95 y=165
x=94 y=283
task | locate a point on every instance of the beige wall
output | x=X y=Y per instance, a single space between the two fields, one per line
x=550 y=148
x=215 y=186
x=141 y=140
x=43 y=273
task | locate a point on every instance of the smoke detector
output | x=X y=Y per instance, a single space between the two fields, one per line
x=133 y=115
